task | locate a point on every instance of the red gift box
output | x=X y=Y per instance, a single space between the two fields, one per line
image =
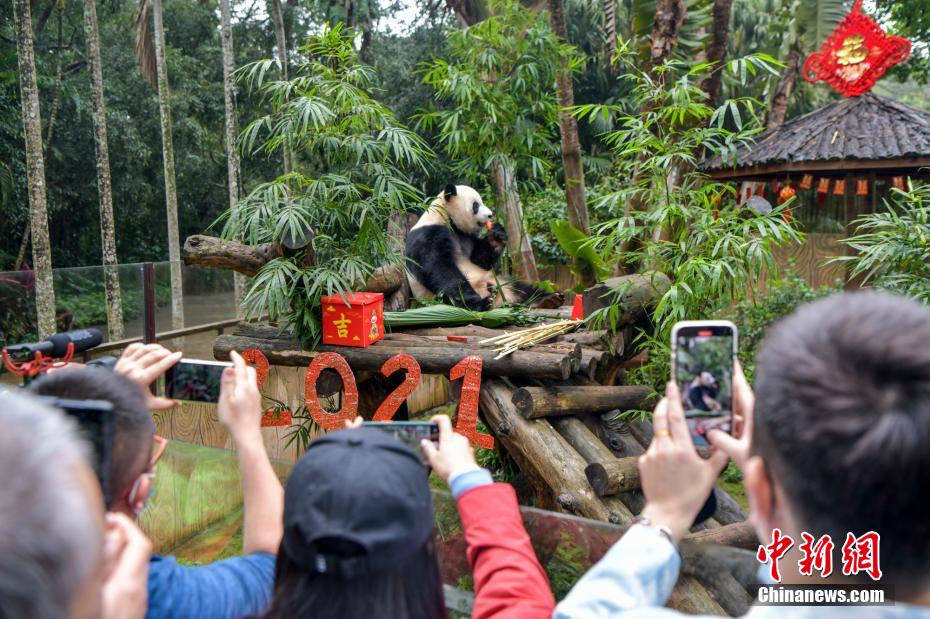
x=358 y=323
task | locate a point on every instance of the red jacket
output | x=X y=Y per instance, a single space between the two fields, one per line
x=509 y=581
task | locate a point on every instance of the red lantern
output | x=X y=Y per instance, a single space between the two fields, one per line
x=897 y=182
x=787 y=192
x=839 y=188
x=823 y=186
x=862 y=187
x=807 y=181
x=855 y=55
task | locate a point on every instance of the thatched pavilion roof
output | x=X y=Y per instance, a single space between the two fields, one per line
x=857 y=133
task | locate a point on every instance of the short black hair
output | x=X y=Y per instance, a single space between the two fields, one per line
x=842 y=418
x=133 y=427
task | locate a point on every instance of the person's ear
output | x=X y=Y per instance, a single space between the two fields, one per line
x=140 y=500
x=761 y=495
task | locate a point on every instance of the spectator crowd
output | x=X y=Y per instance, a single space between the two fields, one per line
x=835 y=438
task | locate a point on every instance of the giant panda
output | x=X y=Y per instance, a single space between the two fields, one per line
x=448 y=258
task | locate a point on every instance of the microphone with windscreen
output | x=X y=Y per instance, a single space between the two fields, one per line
x=56 y=346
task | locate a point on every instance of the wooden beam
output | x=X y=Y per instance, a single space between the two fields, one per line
x=614 y=476
x=537 y=447
x=210 y=251
x=535 y=402
x=892 y=166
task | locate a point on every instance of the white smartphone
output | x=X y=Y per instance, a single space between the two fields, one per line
x=703 y=356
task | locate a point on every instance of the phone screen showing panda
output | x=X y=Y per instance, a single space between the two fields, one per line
x=703 y=364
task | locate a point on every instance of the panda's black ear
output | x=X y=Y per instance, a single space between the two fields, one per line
x=448 y=192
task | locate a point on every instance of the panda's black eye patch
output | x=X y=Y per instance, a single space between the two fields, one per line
x=474 y=207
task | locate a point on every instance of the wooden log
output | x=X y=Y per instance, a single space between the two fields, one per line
x=729 y=573
x=535 y=402
x=537 y=447
x=589 y=362
x=738 y=534
x=210 y=251
x=469 y=331
x=435 y=360
x=571 y=349
x=613 y=476
x=613 y=343
x=386 y=279
x=634 y=294
x=591 y=449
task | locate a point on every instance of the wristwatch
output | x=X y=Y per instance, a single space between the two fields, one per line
x=667 y=532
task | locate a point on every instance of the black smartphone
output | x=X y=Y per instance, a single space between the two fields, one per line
x=195 y=380
x=410 y=433
x=95 y=423
x=703 y=356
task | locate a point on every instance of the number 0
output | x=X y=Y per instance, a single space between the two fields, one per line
x=331 y=421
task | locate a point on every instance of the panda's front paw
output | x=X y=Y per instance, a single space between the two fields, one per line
x=497 y=236
x=481 y=305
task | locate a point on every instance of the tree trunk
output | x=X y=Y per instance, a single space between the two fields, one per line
x=232 y=128
x=518 y=242
x=171 y=194
x=670 y=15
x=568 y=128
x=610 y=32
x=783 y=91
x=280 y=38
x=554 y=400
x=717 y=49
x=35 y=169
x=113 y=297
x=575 y=199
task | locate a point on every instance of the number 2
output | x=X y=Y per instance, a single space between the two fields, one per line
x=388 y=408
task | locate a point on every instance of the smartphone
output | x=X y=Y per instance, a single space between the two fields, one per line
x=410 y=433
x=195 y=380
x=95 y=424
x=703 y=355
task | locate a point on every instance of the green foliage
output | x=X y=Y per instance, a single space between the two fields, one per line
x=753 y=316
x=892 y=247
x=499 y=86
x=350 y=176
x=575 y=243
x=682 y=223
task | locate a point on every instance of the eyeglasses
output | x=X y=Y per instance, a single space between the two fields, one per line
x=158 y=449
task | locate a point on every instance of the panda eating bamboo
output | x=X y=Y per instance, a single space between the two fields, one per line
x=449 y=259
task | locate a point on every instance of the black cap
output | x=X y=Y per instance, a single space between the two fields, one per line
x=355 y=503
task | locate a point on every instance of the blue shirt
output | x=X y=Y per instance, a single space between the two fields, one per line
x=635 y=578
x=228 y=589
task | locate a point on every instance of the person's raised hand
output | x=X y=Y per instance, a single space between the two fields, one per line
x=240 y=404
x=737 y=445
x=676 y=480
x=127 y=553
x=454 y=454
x=143 y=364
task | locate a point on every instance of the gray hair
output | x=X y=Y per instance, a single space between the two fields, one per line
x=50 y=538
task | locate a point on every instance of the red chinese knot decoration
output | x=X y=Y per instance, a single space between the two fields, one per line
x=855 y=55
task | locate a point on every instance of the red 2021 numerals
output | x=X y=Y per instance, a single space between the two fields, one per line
x=331 y=421
x=468 y=369
x=466 y=423
x=273 y=417
x=388 y=408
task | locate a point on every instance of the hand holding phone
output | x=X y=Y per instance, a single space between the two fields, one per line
x=410 y=433
x=454 y=453
x=703 y=357
x=195 y=380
